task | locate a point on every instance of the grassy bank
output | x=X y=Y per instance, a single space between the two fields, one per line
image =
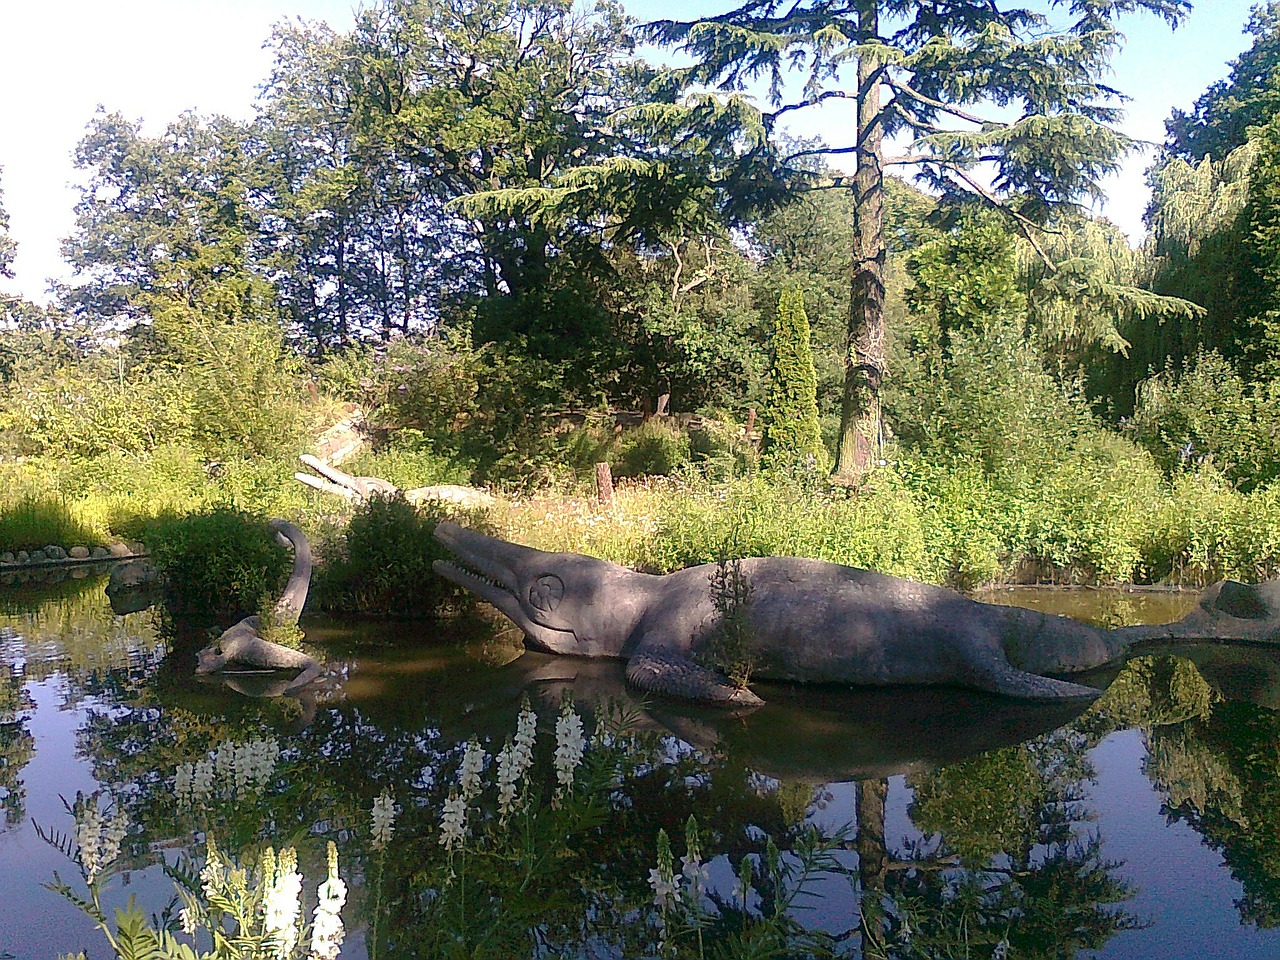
x=949 y=527
x=1096 y=522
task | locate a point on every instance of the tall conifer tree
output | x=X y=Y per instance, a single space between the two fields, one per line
x=931 y=72
x=7 y=247
x=791 y=427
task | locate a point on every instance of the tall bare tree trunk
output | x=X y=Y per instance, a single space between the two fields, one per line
x=864 y=364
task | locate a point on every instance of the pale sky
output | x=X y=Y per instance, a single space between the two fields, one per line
x=153 y=59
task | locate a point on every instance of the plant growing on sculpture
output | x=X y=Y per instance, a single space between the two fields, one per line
x=730 y=642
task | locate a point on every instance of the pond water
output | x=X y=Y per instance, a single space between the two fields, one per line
x=957 y=823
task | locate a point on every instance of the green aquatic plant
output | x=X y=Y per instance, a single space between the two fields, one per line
x=384 y=564
x=218 y=562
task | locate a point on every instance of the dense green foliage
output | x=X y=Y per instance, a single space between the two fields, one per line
x=932 y=74
x=1223 y=117
x=219 y=563
x=384 y=564
x=495 y=267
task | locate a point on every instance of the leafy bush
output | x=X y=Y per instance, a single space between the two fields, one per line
x=219 y=562
x=653 y=449
x=1208 y=415
x=720 y=449
x=385 y=563
x=225 y=389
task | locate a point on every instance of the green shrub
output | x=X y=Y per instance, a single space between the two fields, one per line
x=653 y=449
x=1208 y=415
x=580 y=448
x=1091 y=510
x=720 y=450
x=385 y=563
x=219 y=562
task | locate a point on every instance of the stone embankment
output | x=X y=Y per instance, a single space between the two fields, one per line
x=22 y=565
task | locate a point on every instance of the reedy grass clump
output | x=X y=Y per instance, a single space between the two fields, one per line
x=30 y=521
x=653 y=449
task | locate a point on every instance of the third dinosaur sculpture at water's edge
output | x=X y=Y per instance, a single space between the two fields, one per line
x=816 y=622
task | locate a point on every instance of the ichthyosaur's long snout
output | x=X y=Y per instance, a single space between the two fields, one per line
x=503 y=574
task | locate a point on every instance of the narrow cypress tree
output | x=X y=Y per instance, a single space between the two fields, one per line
x=791 y=429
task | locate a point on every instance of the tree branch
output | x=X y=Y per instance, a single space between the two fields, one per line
x=904 y=88
x=1025 y=224
x=811 y=102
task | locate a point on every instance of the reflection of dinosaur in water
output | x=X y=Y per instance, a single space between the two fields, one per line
x=242 y=647
x=816 y=622
x=814 y=735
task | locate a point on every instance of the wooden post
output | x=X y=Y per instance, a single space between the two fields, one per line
x=604 y=484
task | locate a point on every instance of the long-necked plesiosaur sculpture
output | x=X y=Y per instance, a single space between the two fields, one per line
x=816 y=622
x=242 y=646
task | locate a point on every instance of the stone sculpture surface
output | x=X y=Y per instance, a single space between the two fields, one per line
x=817 y=622
x=333 y=480
x=242 y=647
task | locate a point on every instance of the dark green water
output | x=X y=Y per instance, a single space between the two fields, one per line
x=1147 y=827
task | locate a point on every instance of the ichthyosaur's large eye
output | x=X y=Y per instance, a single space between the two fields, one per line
x=547 y=592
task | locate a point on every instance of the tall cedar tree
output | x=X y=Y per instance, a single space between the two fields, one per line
x=7 y=247
x=1224 y=115
x=791 y=427
x=923 y=72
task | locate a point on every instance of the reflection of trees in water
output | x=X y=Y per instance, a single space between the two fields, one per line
x=1221 y=776
x=1004 y=855
x=16 y=746
x=1215 y=760
x=1004 y=862
x=79 y=638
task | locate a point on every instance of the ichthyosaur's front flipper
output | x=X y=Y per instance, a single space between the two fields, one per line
x=999 y=676
x=676 y=676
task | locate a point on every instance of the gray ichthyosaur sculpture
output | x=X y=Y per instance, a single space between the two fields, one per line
x=818 y=622
x=241 y=647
